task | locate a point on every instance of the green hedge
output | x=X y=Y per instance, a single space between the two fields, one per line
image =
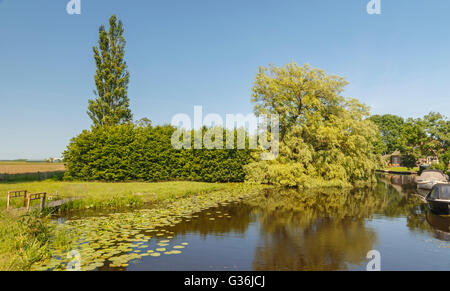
x=130 y=152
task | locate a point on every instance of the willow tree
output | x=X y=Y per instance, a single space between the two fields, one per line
x=111 y=106
x=294 y=93
x=326 y=139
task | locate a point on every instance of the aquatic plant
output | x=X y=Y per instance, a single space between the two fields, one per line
x=116 y=240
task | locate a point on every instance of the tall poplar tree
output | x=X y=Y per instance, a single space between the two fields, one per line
x=111 y=106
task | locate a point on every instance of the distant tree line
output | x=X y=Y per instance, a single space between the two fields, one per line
x=415 y=138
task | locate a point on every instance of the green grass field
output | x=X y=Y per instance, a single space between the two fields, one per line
x=402 y=169
x=99 y=195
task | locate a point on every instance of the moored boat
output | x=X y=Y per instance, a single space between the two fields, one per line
x=429 y=178
x=439 y=198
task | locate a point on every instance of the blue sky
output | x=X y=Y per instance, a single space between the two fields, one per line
x=182 y=53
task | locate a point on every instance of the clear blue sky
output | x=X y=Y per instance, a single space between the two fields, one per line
x=206 y=52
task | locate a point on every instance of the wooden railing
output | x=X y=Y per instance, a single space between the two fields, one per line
x=37 y=196
x=16 y=194
x=27 y=198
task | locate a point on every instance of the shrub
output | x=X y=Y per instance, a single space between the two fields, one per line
x=130 y=152
x=439 y=166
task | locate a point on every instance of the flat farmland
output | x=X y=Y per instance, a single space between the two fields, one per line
x=29 y=168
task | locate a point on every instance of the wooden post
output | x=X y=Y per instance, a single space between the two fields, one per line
x=42 y=205
x=7 y=202
x=36 y=196
x=29 y=202
x=25 y=198
x=16 y=194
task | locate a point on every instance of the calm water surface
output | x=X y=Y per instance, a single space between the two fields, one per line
x=328 y=230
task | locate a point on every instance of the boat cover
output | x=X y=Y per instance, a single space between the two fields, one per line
x=433 y=175
x=441 y=191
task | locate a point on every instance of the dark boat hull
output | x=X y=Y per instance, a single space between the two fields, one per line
x=440 y=207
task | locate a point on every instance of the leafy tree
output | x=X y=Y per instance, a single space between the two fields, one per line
x=111 y=107
x=379 y=145
x=439 y=166
x=295 y=93
x=327 y=139
x=427 y=136
x=390 y=127
x=437 y=128
x=409 y=161
x=144 y=122
x=413 y=139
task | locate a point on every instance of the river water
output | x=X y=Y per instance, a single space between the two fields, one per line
x=310 y=230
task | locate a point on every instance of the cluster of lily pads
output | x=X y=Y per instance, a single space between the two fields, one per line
x=219 y=214
x=119 y=239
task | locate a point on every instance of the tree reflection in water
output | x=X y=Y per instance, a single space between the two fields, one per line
x=322 y=230
x=314 y=230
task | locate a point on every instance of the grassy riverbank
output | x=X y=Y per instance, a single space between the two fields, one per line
x=110 y=195
x=402 y=169
x=28 y=239
x=24 y=240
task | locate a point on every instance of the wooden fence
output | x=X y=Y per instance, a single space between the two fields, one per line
x=37 y=196
x=26 y=198
x=22 y=194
